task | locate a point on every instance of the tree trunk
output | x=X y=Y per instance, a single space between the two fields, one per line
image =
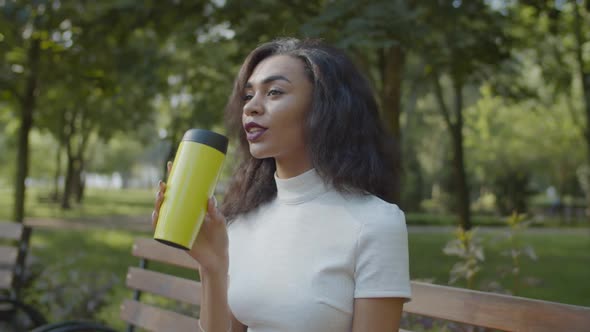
x=74 y=181
x=459 y=172
x=60 y=142
x=584 y=76
x=65 y=200
x=27 y=110
x=57 y=173
x=392 y=65
x=455 y=127
x=80 y=180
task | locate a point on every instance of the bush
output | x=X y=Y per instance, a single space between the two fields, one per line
x=63 y=292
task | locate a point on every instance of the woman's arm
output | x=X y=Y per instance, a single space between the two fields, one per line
x=215 y=313
x=236 y=326
x=377 y=314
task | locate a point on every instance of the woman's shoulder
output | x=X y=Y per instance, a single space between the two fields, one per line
x=373 y=211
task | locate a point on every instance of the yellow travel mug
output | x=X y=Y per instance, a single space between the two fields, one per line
x=192 y=181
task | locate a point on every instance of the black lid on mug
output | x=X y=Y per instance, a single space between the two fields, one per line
x=207 y=137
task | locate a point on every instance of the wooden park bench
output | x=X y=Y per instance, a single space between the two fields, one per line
x=496 y=311
x=501 y=312
x=13 y=252
x=10 y=232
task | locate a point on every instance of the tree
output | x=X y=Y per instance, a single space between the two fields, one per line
x=561 y=57
x=26 y=42
x=466 y=42
x=104 y=89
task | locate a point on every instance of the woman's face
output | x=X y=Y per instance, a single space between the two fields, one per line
x=277 y=99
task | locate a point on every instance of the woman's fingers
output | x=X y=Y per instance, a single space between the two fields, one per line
x=160 y=195
x=158 y=202
x=213 y=211
x=154 y=218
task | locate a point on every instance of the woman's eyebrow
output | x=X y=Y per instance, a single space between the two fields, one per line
x=269 y=79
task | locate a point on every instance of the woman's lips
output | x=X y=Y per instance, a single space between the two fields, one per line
x=254 y=131
x=253 y=136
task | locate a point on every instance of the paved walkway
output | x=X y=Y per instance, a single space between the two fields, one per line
x=497 y=229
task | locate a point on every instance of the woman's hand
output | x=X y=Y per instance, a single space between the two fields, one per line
x=210 y=249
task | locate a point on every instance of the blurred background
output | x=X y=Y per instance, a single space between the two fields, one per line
x=488 y=100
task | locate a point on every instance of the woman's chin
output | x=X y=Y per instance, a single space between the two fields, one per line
x=258 y=153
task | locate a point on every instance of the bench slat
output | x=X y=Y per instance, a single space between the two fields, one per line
x=497 y=311
x=10 y=230
x=188 y=291
x=8 y=255
x=155 y=319
x=5 y=279
x=154 y=250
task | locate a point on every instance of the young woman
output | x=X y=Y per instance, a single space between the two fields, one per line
x=312 y=243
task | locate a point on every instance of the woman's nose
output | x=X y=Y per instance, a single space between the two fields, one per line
x=253 y=106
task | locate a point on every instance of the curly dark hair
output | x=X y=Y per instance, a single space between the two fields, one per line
x=348 y=146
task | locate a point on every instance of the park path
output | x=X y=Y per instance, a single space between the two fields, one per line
x=143 y=223
x=497 y=229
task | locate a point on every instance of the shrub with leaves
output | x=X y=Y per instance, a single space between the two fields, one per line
x=516 y=251
x=63 y=292
x=467 y=246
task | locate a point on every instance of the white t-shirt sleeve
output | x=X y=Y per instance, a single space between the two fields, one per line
x=382 y=265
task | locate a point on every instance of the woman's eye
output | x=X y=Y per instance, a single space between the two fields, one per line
x=274 y=92
x=247 y=97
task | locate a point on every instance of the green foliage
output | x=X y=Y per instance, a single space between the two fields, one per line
x=118 y=71
x=467 y=246
x=518 y=149
x=515 y=252
x=64 y=292
x=583 y=174
x=465 y=40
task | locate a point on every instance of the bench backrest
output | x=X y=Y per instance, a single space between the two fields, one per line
x=140 y=279
x=482 y=309
x=9 y=232
x=497 y=311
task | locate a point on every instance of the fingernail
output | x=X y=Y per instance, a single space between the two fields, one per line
x=215 y=201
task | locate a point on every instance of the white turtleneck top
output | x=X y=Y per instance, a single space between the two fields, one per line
x=298 y=262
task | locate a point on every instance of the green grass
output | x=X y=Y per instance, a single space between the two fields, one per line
x=97 y=203
x=139 y=202
x=563 y=265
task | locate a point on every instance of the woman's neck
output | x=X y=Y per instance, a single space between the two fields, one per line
x=291 y=168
